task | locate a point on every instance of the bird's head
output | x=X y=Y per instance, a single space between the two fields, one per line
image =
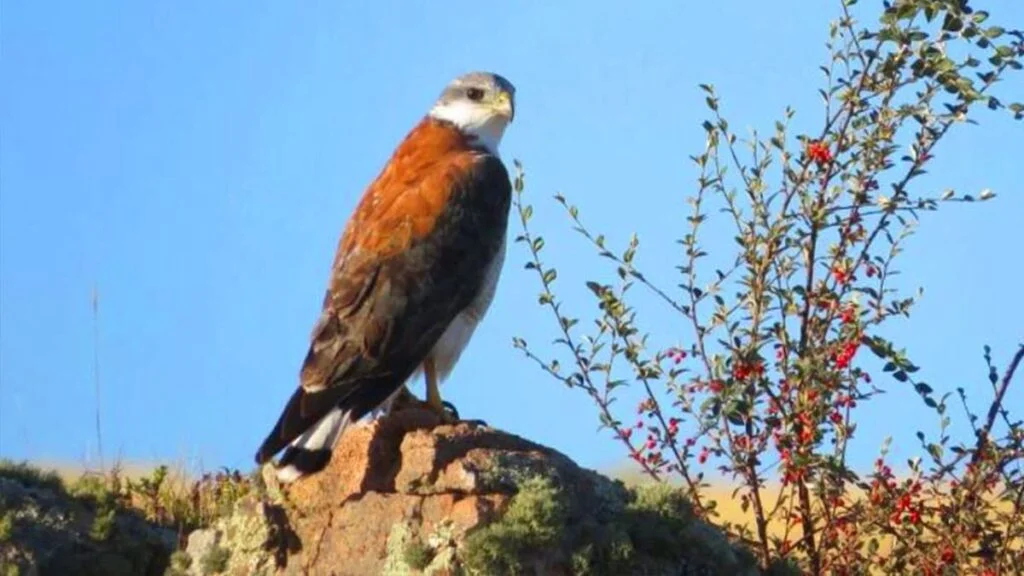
x=480 y=104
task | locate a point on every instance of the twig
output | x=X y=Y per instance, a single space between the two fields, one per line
x=997 y=403
x=96 y=369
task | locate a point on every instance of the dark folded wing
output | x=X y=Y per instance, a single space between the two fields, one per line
x=394 y=293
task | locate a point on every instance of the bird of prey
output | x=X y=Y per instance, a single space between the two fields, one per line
x=415 y=271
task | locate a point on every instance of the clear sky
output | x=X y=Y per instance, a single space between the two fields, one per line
x=197 y=161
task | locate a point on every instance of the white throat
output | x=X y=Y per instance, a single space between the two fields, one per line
x=478 y=122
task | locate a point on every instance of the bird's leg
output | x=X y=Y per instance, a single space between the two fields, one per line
x=446 y=409
x=434 y=394
x=405 y=399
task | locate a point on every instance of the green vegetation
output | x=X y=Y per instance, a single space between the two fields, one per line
x=179 y=564
x=532 y=522
x=32 y=476
x=117 y=524
x=6 y=526
x=215 y=561
x=764 y=375
x=651 y=529
x=417 y=555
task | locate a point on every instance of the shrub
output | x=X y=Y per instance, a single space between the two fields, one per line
x=774 y=369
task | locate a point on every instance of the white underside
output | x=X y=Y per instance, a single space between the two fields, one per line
x=448 y=349
x=446 y=353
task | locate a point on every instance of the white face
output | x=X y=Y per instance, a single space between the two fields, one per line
x=477 y=120
x=480 y=104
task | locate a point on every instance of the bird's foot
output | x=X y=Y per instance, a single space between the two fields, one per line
x=444 y=410
x=451 y=411
x=406 y=400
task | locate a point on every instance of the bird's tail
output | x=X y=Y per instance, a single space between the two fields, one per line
x=310 y=452
x=307 y=438
x=309 y=428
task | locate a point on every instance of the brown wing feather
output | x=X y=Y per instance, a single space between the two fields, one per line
x=412 y=257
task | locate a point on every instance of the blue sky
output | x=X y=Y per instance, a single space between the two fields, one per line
x=197 y=161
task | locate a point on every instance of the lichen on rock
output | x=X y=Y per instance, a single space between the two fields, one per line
x=248 y=541
x=411 y=553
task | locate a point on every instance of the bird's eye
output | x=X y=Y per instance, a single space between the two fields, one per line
x=474 y=94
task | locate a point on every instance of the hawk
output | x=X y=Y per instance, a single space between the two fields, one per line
x=414 y=273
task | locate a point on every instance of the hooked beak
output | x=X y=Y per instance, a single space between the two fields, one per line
x=503 y=105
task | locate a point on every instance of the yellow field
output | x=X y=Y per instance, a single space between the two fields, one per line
x=730 y=510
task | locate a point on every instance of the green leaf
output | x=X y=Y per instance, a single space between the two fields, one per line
x=735 y=418
x=878 y=346
x=952 y=23
x=994 y=32
x=906 y=10
x=900 y=375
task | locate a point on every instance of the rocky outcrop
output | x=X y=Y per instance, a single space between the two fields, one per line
x=408 y=495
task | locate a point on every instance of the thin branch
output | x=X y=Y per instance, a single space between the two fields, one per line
x=997 y=403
